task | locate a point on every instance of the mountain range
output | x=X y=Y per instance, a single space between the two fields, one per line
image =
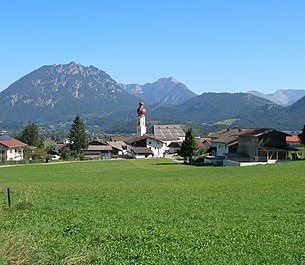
x=283 y=97
x=55 y=94
x=163 y=91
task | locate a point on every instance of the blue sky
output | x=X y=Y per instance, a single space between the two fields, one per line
x=211 y=46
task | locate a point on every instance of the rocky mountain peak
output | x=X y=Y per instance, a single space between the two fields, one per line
x=165 y=90
x=68 y=88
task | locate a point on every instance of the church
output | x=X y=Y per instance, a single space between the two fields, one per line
x=155 y=141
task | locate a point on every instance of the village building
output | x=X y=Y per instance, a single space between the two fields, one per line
x=294 y=141
x=153 y=142
x=248 y=146
x=173 y=147
x=97 y=149
x=221 y=143
x=120 y=138
x=263 y=145
x=145 y=147
x=167 y=133
x=119 y=148
x=11 y=149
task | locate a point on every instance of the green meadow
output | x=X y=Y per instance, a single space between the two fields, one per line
x=152 y=212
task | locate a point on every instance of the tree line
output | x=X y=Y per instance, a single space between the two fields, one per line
x=38 y=149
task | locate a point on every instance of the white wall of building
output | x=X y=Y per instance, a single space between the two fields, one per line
x=157 y=147
x=220 y=148
x=14 y=154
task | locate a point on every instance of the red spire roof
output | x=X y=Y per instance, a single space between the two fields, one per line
x=141 y=110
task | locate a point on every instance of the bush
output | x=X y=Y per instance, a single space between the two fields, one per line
x=81 y=157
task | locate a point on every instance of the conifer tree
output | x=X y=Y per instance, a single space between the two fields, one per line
x=30 y=135
x=77 y=135
x=188 y=147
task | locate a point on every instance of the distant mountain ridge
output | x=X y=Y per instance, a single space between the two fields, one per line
x=163 y=91
x=283 y=97
x=56 y=92
x=211 y=107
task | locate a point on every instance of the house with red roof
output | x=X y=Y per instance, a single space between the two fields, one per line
x=11 y=149
x=294 y=140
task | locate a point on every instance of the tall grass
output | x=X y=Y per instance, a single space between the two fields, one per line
x=152 y=212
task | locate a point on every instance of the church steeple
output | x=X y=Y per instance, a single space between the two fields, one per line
x=141 y=128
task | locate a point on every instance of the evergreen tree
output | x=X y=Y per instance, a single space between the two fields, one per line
x=30 y=135
x=188 y=147
x=302 y=135
x=77 y=135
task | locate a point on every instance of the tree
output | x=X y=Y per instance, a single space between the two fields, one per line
x=30 y=135
x=302 y=136
x=188 y=147
x=77 y=136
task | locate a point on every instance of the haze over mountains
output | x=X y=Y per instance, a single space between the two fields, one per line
x=57 y=93
x=283 y=97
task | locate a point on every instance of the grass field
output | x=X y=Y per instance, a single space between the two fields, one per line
x=152 y=212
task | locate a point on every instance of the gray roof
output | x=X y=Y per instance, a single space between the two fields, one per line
x=168 y=132
x=117 y=145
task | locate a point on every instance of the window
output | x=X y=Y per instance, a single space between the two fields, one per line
x=149 y=142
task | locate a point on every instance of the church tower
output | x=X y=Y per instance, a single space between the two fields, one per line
x=141 y=128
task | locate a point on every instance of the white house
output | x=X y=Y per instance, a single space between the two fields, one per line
x=167 y=134
x=139 y=152
x=224 y=141
x=11 y=148
x=150 y=146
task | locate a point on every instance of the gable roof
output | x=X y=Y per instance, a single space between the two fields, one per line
x=168 y=132
x=228 y=136
x=97 y=142
x=256 y=132
x=117 y=145
x=225 y=133
x=206 y=142
x=175 y=144
x=227 y=139
x=141 y=138
x=120 y=138
x=10 y=142
x=135 y=139
x=142 y=151
x=293 y=139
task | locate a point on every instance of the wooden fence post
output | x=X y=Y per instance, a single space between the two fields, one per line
x=8 y=198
